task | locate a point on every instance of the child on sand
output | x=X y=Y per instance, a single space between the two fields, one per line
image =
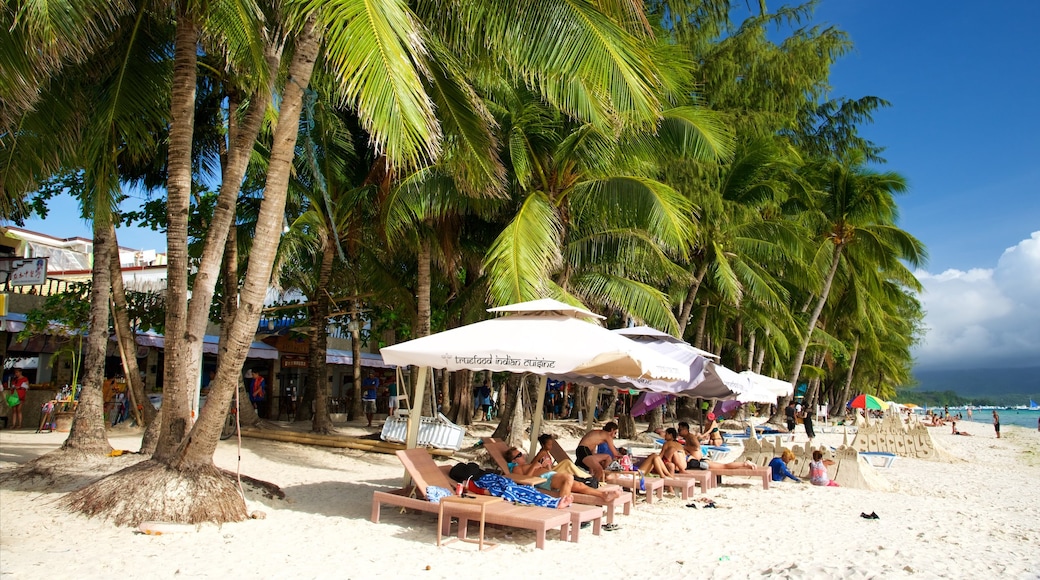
x=818 y=470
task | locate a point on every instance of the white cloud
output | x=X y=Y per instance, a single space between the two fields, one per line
x=984 y=318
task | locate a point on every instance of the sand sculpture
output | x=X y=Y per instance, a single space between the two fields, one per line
x=891 y=435
x=849 y=468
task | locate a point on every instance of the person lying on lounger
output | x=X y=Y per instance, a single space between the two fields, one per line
x=689 y=455
x=554 y=480
x=545 y=442
x=484 y=482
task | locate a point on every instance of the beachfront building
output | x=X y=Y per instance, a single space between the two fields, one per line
x=275 y=355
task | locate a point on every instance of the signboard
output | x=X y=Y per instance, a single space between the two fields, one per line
x=294 y=361
x=23 y=271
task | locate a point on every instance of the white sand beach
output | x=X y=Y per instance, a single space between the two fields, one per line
x=977 y=518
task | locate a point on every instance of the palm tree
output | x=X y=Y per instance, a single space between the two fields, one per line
x=855 y=208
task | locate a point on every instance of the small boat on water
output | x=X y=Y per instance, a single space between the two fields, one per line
x=1031 y=407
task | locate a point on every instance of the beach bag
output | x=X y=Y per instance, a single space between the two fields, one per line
x=614 y=466
x=13 y=400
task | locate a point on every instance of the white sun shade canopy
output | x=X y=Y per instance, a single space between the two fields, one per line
x=544 y=337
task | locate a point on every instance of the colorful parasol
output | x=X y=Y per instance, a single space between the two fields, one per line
x=868 y=402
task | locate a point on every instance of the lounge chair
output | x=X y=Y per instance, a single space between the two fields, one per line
x=497 y=449
x=629 y=480
x=425 y=472
x=764 y=472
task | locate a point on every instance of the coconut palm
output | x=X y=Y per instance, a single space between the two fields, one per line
x=855 y=208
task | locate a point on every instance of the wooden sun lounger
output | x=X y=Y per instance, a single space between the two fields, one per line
x=496 y=449
x=764 y=472
x=703 y=478
x=424 y=472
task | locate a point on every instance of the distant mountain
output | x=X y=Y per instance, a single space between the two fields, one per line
x=997 y=383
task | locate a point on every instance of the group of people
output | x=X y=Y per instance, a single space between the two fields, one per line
x=596 y=451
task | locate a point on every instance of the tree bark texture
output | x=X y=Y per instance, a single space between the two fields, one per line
x=88 y=426
x=143 y=408
x=317 y=364
x=197 y=449
x=176 y=409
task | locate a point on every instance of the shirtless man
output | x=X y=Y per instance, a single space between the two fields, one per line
x=564 y=483
x=586 y=454
x=693 y=456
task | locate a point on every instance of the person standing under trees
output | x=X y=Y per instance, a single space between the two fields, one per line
x=257 y=389
x=369 y=388
x=807 y=422
x=17 y=388
x=391 y=398
x=484 y=398
x=789 y=413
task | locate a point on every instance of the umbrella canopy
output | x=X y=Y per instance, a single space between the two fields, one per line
x=542 y=337
x=868 y=402
x=726 y=407
x=648 y=401
x=547 y=340
x=776 y=386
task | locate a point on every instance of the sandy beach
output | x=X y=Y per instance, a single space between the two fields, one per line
x=977 y=518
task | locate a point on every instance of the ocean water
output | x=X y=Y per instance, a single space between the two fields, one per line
x=1021 y=417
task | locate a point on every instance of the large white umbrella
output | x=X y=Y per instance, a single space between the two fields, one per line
x=776 y=386
x=542 y=337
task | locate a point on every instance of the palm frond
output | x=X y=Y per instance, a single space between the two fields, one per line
x=520 y=259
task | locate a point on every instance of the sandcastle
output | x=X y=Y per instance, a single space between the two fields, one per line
x=849 y=468
x=890 y=435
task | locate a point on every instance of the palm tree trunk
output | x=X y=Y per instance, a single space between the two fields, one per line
x=247 y=416
x=846 y=390
x=796 y=367
x=143 y=410
x=699 y=339
x=88 y=427
x=206 y=432
x=176 y=411
x=505 y=418
x=317 y=381
x=355 y=353
x=687 y=306
x=208 y=269
x=422 y=319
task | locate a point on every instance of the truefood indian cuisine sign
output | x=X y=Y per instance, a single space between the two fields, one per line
x=503 y=361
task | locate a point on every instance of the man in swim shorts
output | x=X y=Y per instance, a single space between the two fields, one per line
x=586 y=456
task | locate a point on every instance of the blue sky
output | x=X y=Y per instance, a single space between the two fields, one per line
x=964 y=128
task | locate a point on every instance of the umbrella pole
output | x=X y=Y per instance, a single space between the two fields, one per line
x=536 y=417
x=412 y=439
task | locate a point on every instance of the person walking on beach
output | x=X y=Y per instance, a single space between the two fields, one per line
x=996 y=423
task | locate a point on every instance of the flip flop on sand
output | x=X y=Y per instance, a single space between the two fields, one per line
x=611 y=527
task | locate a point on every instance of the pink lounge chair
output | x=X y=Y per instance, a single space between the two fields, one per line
x=497 y=449
x=425 y=472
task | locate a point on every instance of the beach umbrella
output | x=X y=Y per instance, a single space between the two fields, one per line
x=542 y=337
x=776 y=386
x=648 y=401
x=868 y=402
x=726 y=407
